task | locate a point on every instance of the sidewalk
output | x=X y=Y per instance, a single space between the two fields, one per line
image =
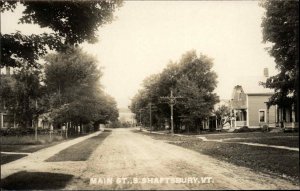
x=35 y=160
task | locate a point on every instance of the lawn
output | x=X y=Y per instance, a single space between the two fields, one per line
x=249 y=135
x=25 y=144
x=80 y=151
x=288 y=141
x=278 y=162
x=279 y=139
x=6 y=158
x=26 y=148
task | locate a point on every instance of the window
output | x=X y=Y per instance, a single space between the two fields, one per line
x=262 y=116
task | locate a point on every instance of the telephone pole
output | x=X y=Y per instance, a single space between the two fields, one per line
x=171 y=100
x=151 y=107
x=141 y=119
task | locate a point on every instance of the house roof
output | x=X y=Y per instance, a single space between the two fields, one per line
x=251 y=85
x=260 y=94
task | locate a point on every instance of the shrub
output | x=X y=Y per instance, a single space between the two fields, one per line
x=242 y=130
x=115 y=124
x=265 y=128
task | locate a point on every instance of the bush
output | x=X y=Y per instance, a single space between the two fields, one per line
x=115 y=124
x=242 y=130
x=265 y=128
x=126 y=124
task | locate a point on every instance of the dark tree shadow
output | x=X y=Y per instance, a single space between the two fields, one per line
x=35 y=181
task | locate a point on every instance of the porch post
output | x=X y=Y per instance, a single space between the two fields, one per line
x=208 y=123
x=1 y=124
x=293 y=116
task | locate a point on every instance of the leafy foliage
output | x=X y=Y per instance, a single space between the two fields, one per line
x=17 y=49
x=73 y=80
x=21 y=94
x=190 y=78
x=223 y=113
x=280 y=27
x=72 y=23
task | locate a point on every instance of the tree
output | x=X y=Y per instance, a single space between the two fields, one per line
x=190 y=78
x=71 y=74
x=71 y=22
x=22 y=93
x=73 y=81
x=280 y=27
x=223 y=114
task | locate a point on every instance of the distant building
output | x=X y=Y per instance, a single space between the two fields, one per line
x=125 y=115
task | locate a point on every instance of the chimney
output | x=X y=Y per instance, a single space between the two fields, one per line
x=266 y=72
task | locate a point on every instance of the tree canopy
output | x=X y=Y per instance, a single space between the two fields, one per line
x=72 y=23
x=281 y=28
x=67 y=88
x=73 y=80
x=190 y=78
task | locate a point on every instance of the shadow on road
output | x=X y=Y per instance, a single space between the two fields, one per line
x=35 y=181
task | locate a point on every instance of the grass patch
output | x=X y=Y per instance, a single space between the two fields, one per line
x=283 y=163
x=25 y=148
x=288 y=141
x=80 y=151
x=27 y=143
x=278 y=162
x=6 y=158
x=35 y=181
x=250 y=135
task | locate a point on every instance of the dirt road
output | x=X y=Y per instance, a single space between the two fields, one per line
x=144 y=162
x=132 y=155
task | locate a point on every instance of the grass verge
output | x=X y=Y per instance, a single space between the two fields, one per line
x=277 y=162
x=6 y=158
x=282 y=141
x=250 y=135
x=26 y=148
x=80 y=151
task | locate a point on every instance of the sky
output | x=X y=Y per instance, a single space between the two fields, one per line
x=146 y=35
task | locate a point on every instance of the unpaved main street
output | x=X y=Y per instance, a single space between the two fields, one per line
x=128 y=154
x=133 y=155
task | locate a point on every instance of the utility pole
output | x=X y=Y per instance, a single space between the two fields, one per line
x=150 y=118
x=171 y=100
x=151 y=107
x=140 y=119
x=36 y=124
